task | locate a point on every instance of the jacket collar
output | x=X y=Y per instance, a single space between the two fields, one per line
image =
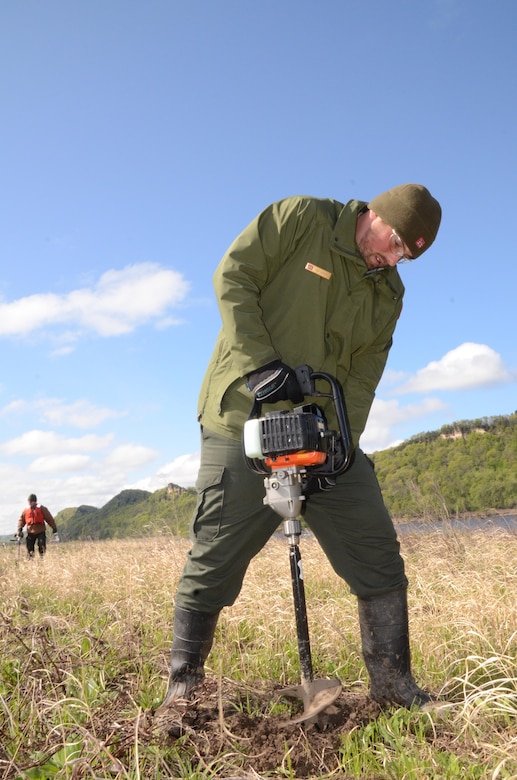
x=343 y=235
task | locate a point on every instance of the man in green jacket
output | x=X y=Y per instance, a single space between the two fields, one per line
x=308 y=282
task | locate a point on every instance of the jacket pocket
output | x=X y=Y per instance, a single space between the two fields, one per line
x=206 y=523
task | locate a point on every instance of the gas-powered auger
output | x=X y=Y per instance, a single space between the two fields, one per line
x=292 y=449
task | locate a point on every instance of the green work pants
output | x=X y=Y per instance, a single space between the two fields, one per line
x=231 y=525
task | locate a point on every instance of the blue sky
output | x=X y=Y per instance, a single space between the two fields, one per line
x=138 y=138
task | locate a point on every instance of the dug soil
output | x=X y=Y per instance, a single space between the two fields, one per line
x=249 y=729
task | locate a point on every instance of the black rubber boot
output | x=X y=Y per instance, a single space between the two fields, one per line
x=385 y=637
x=192 y=641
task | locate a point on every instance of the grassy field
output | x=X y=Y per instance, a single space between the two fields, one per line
x=85 y=639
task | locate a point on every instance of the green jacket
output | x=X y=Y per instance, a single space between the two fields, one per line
x=293 y=286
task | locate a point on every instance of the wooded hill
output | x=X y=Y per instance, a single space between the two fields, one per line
x=467 y=467
x=131 y=513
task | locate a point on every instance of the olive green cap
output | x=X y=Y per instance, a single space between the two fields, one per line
x=412 y=212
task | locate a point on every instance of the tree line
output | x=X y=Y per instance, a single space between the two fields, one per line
x=466 y=467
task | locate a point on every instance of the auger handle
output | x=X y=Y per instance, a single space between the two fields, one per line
x=306 y=379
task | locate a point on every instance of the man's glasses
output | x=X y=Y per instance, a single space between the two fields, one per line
x=396 y=248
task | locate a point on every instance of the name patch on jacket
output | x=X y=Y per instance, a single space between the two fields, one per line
x=315 y=269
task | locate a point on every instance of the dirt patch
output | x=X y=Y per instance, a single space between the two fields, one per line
x=251 y=728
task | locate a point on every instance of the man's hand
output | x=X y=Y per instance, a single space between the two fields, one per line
x=275 y=382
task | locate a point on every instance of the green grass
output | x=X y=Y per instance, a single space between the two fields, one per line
x=85 y=640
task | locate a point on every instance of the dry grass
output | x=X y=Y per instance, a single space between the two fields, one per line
x=85 y=640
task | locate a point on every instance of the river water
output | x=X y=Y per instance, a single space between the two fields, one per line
x=491 y=523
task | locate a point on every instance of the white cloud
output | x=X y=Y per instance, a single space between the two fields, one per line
x=13 y=408
x=119 y=302
x=469 y=365
x=391 y=377
x=182 y=471
x=129 y=456
x=35 y=443
x=61 y=351
x=386 y=415
x=57 y=464
x=80 y=414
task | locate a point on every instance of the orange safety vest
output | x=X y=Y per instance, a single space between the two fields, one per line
x=34 y=516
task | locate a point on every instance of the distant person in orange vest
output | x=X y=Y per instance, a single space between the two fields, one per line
x=35 y=516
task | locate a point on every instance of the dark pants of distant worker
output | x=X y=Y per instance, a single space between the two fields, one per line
x=231 y=525
x=41 y=539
